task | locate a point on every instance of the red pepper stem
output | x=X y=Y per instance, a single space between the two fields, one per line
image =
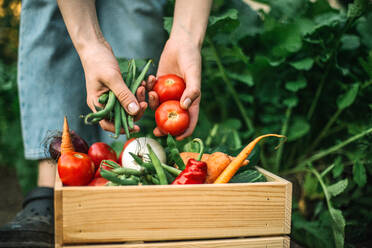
x=201 y=146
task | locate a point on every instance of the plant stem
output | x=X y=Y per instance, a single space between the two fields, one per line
x=328 y=68
x=324 y=130
x=230 y=86
x=322 y=184
x=283 y=132
x=332 y=149
x=211 y=135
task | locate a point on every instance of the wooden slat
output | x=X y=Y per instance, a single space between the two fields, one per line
x=264 y=242
x=58 y=212
x=124 y=213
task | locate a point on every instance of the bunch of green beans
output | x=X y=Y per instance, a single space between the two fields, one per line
x=150 y=173
x=112 y=109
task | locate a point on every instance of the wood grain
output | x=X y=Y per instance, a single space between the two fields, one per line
x=265 y=242
x=58 y=212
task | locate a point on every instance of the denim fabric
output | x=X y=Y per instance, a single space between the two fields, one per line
x=51 y=81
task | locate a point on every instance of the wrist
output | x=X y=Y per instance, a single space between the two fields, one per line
x=183 y=35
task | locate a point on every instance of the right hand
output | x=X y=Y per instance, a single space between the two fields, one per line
x=102 y=73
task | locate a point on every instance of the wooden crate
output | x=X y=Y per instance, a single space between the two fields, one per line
x=206 y=215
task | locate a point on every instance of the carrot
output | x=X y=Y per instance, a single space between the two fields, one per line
x=216 y=163
x=66 y=144
x=237 y=162
x=187 y=155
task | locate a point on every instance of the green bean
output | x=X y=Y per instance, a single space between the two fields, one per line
x=128 y=171
x=132 y=180
x=130 y=75
x=96 y=120
x=117 y=120
x=139 y=161
x=110 y=176
x=152 y=179
x=159 y=170
x=140 y=78
x=170 y=177
x=110 y=163
x=130 y=122
x=171 y=169
x=109 y=106
x=124 y=122
x=103 y=98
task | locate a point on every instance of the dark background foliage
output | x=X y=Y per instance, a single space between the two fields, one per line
x=302 y=69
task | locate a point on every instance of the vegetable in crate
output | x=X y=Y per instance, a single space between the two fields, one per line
x=238 y=162
x=54 y=147
x=99 y=181
x=169 y=87
x=171 y=118
x=74 y=168
x=195 y=171
x=101 y=151
x=139 y=148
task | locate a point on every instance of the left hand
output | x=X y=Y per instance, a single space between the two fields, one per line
x=182 y=57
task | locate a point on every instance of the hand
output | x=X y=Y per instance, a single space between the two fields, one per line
x=181 y=57
x=102 y=73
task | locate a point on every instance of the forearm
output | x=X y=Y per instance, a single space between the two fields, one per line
x=81 y=21
x=191 y=20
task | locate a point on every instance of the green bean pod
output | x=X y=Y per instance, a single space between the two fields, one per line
x=130 y=122
x=140 y=78
x=109 y=106
x=128 y=171
x=117 y=120
x=124 y=122
x=103 y=98
x=159 y=169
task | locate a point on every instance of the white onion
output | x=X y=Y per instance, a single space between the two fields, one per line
x=139 y=147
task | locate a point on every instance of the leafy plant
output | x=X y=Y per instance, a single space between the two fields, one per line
x=303 y=70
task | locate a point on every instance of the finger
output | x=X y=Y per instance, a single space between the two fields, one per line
x=141 y=91
x=123 y=94
x=158 y=133
x=142 y=111
x=150 y=82
x=153 y=100
x=194 y=116
x=192 y=91
x=107 y=126
x=135 y=129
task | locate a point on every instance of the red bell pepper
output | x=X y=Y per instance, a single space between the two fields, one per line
x=195 y=171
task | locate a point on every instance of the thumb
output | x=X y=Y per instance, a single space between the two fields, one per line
x=192 y=91
x=123 y=94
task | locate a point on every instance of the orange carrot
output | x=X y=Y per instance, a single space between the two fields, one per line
x=237 y=162
x=66 y=144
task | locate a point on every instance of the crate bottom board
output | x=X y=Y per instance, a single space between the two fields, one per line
x=261 y=242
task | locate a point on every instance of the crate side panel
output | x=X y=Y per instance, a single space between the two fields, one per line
x=265 y=242
x=114 y=214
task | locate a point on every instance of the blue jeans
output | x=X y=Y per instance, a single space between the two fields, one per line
x=51 y=81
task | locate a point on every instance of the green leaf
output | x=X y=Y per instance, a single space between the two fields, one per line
x=338 y=227
x=339 y=167
x=291 y=102
x=235 y=124
x=359 y=174
x=350 y=42
x=167 y=24
x=357 y=8
x=123 y=65
x=337 y=188
x=229 y=14
x=246 y=98
x=348 y=98
x=295 y=86
x=310 y=184
x=303 y=64
x=248 y=176
x=298 y=129
x=244 y=77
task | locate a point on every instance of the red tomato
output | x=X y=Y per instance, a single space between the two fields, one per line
x=100 y=181
x=171 y=118
x=101 y=151
x=169 y=87
x=122 y=151
x=75 y=168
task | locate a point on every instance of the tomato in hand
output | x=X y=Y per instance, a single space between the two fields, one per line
x=100 y=181
x=75 y=169
x=122 y=151
x=169 y=87
x=171 y=118
x=101 y=151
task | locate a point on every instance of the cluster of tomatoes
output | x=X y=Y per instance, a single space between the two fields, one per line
x=169 y=116
x=78 y=169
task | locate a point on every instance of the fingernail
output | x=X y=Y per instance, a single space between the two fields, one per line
x=133 y=108
x=186 y=103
